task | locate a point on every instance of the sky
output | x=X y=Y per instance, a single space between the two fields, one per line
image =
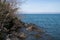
x=41 y=6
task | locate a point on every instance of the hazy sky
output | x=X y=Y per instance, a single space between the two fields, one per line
x=38 y=6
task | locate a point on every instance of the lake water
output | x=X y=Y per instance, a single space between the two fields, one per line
x=49 y=22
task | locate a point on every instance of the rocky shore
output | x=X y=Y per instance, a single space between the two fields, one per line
x=11 y=28
x=20 y=30
x=23 y=31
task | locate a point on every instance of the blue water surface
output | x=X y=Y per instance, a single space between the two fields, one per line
x=50 y=22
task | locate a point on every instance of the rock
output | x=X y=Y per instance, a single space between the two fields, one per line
x=33 y=27
x=26 y=25
x=29 y=28
x=8 y=39
x=22 y=35
x=12 y=38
